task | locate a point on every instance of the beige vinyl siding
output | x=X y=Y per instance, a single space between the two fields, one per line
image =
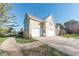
x=33 y=24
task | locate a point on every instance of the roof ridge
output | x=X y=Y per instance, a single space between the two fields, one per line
x=33 y=16
x=36 y=18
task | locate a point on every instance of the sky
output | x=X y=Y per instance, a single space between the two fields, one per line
x=60 y=11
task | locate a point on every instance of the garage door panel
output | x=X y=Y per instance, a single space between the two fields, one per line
x=35 y=32
x=50 y=33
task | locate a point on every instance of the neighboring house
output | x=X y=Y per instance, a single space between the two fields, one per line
x=34 y=27
x=58 y=29
x=72 y=26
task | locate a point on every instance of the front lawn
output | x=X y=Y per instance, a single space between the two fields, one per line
x=22 y=40
x=72 y=36
x=18 y=40
x=2 y=39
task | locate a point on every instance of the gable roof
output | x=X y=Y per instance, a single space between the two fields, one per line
x=33 y=17
x=37 y=19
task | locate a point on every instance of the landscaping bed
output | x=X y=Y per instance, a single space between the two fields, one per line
x=39 y=51
x=43 y=51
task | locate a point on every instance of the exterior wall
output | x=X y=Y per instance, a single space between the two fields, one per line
x=50 y=27
x=58 y=29
x=50 y=24
x=26 y=34
x=33 y=24
x=26 y=27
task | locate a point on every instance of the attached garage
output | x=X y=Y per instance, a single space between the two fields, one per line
x=35 y=27
x=36 y=32
x=50 y=33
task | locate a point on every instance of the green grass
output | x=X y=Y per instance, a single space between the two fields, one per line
x=72 y=36
x=22 y=40
x=2 y=39
x=18 y=40
x=39 y=51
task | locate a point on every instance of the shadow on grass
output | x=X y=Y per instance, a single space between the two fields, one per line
x=43 y=51
x=39 y=51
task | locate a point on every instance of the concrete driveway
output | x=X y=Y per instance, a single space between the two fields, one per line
x=68 y=46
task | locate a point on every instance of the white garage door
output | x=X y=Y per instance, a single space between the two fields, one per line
x=36 y=32
x=50 y=33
